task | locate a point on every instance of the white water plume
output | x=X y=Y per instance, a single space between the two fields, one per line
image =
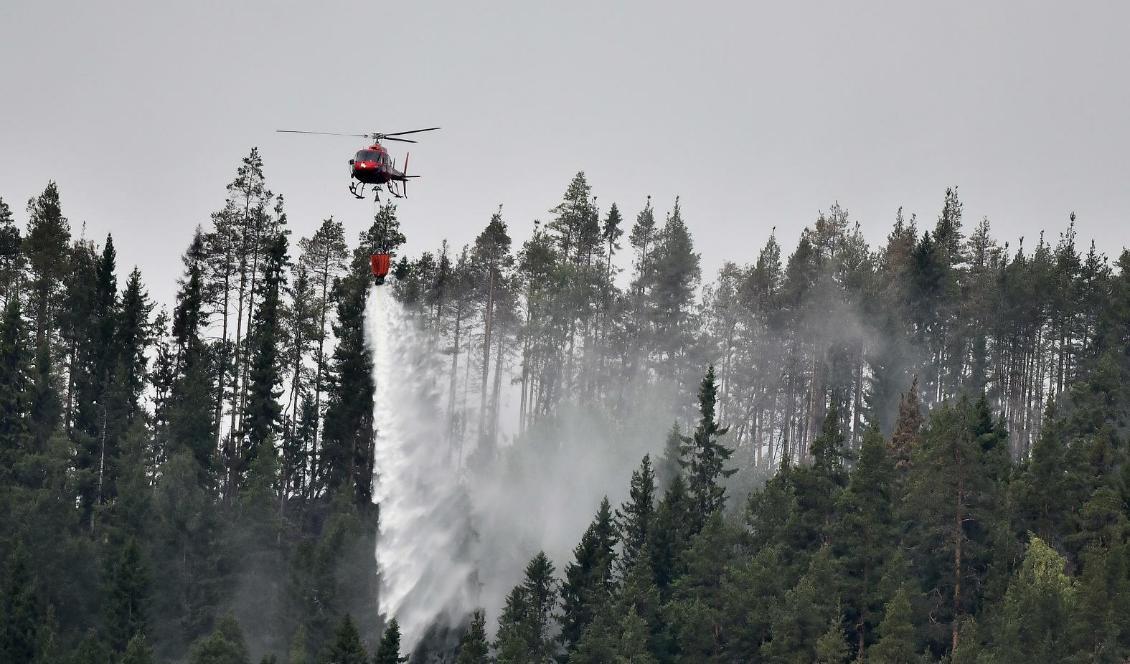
x=422 y=549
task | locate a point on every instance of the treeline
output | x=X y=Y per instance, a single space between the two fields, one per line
x=836 y=323
x=164 y=469
x=196 y=483
x=929 y=545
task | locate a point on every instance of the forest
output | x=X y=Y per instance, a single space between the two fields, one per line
x=908 y=452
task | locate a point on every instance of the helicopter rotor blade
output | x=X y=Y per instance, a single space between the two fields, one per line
x=393 y=138
x=322 y=133
x=414 y=131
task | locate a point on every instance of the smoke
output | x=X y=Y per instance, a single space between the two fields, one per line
x=453 y=540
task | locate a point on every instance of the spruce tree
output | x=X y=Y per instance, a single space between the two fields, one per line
x=11 y=258
x=698 y=599
x=525 y=628
x=15 y=389
x=473 y=647
x=191 y=424
x=346 y=647
x=261 y=420
x=225 y=645
x=634 y=518
x=671 y=535
x=48 y=234
x=953 y=506
x=634 y=637
x=19 y=610
x=862 y=534
x=138 y=652
x=908 y=427
x=804 y=614
x=896 y=643
x=388 y=652
x=831 y=648
x=704 y=457
x=588 y=579
x=1039 y=604
x=127 y=583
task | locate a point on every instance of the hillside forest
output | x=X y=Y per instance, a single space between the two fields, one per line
x=909 y=452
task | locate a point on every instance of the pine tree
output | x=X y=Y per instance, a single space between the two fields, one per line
x=896 y=632
x=1100 y=623
x=588 y=579
x=752 y=589
x=525 y=627
x=346 y=461
x=323 y=256
x=138 y=652
x=134 y=335
x=953 y=505
x=225 y=645
x=45 y=246
x=93 y=650
x=11 y=259
x=346 y=647
x=704 y=457
x=1034 y=624
x=697 y=599
x=831 y=648
x=634 y=518
x=907 y=427
x=192 y=390
x=862 y=534
x=804 y=614
x=671 y=535
x=264 y=412
x=634 y=637
x=19 y=611
x=388 y=652
x=473 y=648
x=598 y=642
x=15 y=389
x=127 y=588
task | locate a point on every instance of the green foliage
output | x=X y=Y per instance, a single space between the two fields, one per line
x=225 y=645
x=19 y=610
x=388 y=652
x=704 y=458
x=159 y=471
x=634 y=519
x=138 y=652
x=473 y=647
x=896 y=633
x=525 y=626
x=346 y=647
x=1035 y=619
x=128 y=588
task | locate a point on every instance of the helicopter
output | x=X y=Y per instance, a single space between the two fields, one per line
x=373 y=164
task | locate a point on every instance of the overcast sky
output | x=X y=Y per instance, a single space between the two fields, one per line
x=758 y=115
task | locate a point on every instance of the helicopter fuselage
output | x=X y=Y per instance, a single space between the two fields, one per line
x=374 y=166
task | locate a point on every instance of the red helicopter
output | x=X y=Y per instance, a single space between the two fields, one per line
x=373 y=165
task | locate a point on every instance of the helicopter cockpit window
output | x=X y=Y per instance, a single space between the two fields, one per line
x=369 y=155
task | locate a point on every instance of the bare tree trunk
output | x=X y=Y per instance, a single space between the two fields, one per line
x=488 y=316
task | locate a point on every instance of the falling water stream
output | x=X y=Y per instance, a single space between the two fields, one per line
x=422 y=549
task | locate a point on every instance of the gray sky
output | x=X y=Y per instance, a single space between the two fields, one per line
x=757 y=115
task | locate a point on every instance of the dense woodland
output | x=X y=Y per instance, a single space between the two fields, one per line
x=902 y=453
